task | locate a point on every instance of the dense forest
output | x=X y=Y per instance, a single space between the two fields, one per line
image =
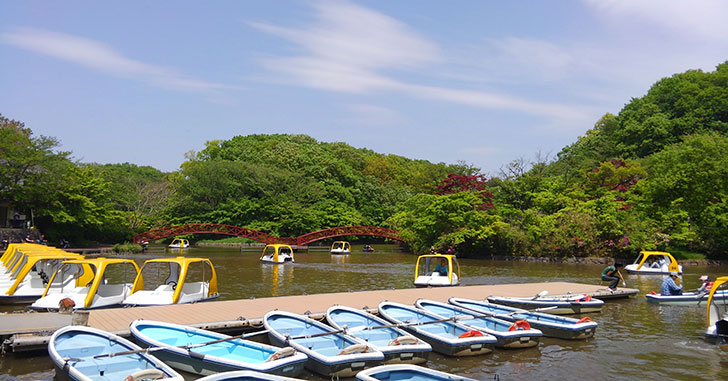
x=654 y=176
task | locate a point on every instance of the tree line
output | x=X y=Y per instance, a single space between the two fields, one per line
x=652 y=177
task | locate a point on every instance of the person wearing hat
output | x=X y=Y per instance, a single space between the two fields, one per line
x=707 y=284
x=669 y=287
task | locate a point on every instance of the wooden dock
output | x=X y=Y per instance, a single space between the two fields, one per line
x=247 y=314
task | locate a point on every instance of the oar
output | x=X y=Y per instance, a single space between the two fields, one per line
x=540 y=295
x=154 y=349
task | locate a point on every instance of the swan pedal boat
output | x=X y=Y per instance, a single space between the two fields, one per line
x=567 y=305
x=179 y=243
x=246 y=375
x=341 y=248
x=425 y=276
x=82 y=353
x=87 y=295
x=176 y=288
x=331 y=352
x=223 y=356
x=561 y=327
x=641 y=265
x=510 y=335
x=446 y=337
x=405 y=372
x=397 y=345
x=277 y=254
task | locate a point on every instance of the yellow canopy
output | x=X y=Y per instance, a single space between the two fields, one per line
x=276 y=248
x=184 y=264
x=450 y=258
x=673 y=266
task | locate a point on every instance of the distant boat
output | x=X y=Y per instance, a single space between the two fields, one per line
x=446 y=337
x=367 y=249
x=177 y=287
x=85 y=353
x=561 y=327
x=225 y=355
x=654 y=262
x=277 y=254
x=179 y=243
x=509 y=334
x=340 y=247
x=427 y=274
x=99 y=293
x=397 y=345
x=406 y=372
x=331 y=352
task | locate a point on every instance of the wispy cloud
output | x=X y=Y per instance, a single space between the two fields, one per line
x=354 y=49
x=101 y=57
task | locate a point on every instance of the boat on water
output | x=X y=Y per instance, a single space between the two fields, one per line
x=561 y=327
x=397 y=345
x=565 y=305
x=26 y=281
x=85 y=353
x=331 y=352
x=367 y=249
x=510 y=335
x=444 y=335
x=205 y=352
x=112 y=280
x=437 y=270
x=164 y=281
x=246 y=375
x=179 y=243
x=687 y=298
x=277 y=254
x=340 y=247
x=654 y=262
x=404 y=372
x=717 y=314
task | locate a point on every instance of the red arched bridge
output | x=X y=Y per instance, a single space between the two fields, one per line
x=171 y=231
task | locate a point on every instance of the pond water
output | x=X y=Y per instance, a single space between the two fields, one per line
x=635 y=340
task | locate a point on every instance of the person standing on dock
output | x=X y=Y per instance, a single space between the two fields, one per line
x=611 y=274
x=669 y=287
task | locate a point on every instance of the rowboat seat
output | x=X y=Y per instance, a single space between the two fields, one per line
x=112 y=365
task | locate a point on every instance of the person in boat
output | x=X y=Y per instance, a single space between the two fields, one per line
x=611 y=274
x=707 y=284
x=669 y=287
x=441 y=268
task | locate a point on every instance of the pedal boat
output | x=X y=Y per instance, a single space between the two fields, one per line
x=717 y=314
x=85 y=353
x=510 y=335
x=96 y=293
x=331 y=352
x=216 y=357
x=561 y=327
x=641 y=265
x=567 y=305
x=398 y=346
x=277 y=254
x=178 y=287
x=447 y=337
x=405 y=372
x=340 y=247
x=179 y=243
x=30 y=275
x=425 y=276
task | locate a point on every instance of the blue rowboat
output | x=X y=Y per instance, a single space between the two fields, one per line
x=246 y=375
x=84 y=353
x=687 y=298
x=509 y=334
x=446 y=337
x=561 y=327
x=331 y=352
x=397 y=345
x=204 y=352
x=565 y=305
x=406 y=373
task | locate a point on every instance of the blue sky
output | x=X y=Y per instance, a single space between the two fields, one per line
x=485 y=82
